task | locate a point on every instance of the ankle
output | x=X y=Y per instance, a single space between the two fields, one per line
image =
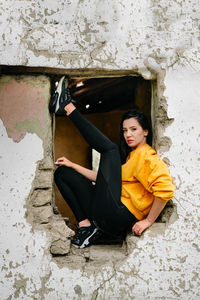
x=84 y=223
x=69 y=108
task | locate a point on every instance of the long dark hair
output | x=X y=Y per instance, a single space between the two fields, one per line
x=144 y=123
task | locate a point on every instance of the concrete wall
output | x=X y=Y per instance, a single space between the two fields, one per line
x=156 y=39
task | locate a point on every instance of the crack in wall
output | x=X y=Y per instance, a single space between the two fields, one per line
x=96 y=292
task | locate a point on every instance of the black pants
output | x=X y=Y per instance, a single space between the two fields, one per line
x=100 y=202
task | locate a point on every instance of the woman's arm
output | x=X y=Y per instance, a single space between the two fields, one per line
x=63 y=161
x=154 y=212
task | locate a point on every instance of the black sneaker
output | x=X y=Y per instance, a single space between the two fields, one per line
x=60 y=98
x=84 y=236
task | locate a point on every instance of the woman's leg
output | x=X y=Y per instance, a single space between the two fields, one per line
x=95 y=138
x=77 y=191
x=106 y=204
x=110 y=162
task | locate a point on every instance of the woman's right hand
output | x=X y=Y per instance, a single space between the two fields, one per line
x=90 y=174
x=63 y=161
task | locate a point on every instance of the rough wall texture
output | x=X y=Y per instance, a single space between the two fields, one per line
x=157 y=39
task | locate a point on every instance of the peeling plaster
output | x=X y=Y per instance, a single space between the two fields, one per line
x=163 y=30
x=14 y=226
x=26 y=101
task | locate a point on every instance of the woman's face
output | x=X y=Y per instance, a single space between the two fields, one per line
x=134 y=134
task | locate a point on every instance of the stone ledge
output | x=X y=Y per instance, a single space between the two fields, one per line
x=107 y=252
x=156 y=228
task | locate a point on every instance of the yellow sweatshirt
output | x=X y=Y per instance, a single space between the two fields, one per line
x=145 y=177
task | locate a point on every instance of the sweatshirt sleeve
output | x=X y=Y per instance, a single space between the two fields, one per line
x=154 y=175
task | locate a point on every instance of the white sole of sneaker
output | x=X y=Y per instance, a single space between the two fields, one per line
x=58 y=90
x=86 y=242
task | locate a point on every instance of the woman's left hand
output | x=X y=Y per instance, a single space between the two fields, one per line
x=63 y=161
x=140 y=226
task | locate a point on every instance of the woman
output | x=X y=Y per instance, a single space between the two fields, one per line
x=123 y=197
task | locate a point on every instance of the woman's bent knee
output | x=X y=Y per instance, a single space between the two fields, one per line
x=60 y=171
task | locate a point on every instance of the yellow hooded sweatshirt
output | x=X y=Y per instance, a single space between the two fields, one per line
x=145 y=177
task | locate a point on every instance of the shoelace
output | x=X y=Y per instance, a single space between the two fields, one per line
x=68 y=95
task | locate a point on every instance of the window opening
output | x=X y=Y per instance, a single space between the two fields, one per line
x=102 y=101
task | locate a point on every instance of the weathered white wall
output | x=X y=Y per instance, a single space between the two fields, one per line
x=98 y=34
x=147 y=37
